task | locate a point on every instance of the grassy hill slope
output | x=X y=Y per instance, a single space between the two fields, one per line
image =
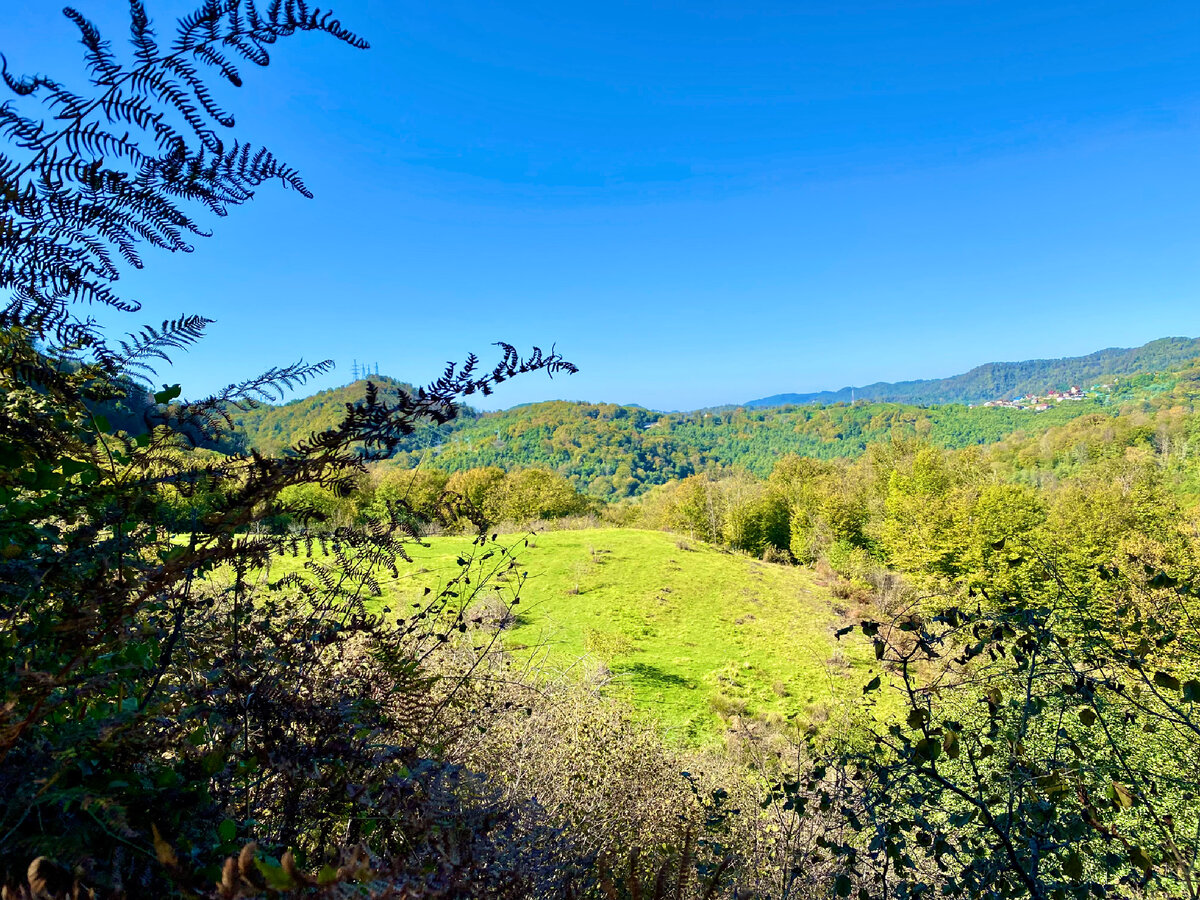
x=689 y=633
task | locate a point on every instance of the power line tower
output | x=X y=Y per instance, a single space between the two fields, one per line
x=354 y=371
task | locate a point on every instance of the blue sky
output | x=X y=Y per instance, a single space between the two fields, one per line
x=700 y=203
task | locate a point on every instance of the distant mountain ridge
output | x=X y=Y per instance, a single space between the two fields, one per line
x=1004 y=380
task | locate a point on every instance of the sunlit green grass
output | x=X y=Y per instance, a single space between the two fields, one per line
x=689 y=632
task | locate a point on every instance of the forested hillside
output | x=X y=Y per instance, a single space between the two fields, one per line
x=610 y=451
x=270 y=429
x=617 y=451
x=1002 y=380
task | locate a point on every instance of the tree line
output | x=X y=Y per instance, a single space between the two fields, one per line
x=610 y=451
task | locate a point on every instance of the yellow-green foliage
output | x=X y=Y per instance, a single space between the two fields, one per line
x=926 y=527
x=479 y=488
x=735 y=509
x=824 y=506
x=420 y=489
x=489 y=493
x=528 y=494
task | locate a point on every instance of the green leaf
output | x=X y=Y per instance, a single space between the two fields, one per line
x=227 y=831
x=916 y=718
x=872 y=685
x=1087 y=717
x=1073 y=866
x=1191 y=691
x=1141 y=859
x=950 y=744
x=274 y=875
x=213 y=762
x=842 y=885
x=168 y=393
x=1161 y=580
x=928 y=748
x=74 y=467
x=1122 y=795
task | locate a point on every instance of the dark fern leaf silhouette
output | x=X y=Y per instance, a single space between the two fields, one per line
x=100 y=175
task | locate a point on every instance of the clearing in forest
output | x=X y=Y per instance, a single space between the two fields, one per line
x=691 y=634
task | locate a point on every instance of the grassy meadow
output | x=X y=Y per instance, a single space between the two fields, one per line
x=691 y=634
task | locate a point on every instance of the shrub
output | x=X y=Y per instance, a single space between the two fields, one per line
x=773 y=554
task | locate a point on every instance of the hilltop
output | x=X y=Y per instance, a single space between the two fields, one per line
x=270 y=429
x=1002 y=380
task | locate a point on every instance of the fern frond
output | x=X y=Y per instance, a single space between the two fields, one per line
x=141 y=34
x=100 y=60
x=271 y=385
x=212 y=57
x=105 y=171
x=378 y=427
x=22 y=87
x=187 y=72
x=154 y=343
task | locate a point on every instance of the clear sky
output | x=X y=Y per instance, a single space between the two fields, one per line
x=700 y=203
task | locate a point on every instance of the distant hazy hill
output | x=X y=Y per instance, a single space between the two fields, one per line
x=1004 y=380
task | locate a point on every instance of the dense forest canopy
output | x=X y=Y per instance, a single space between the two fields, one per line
x=610 y=451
